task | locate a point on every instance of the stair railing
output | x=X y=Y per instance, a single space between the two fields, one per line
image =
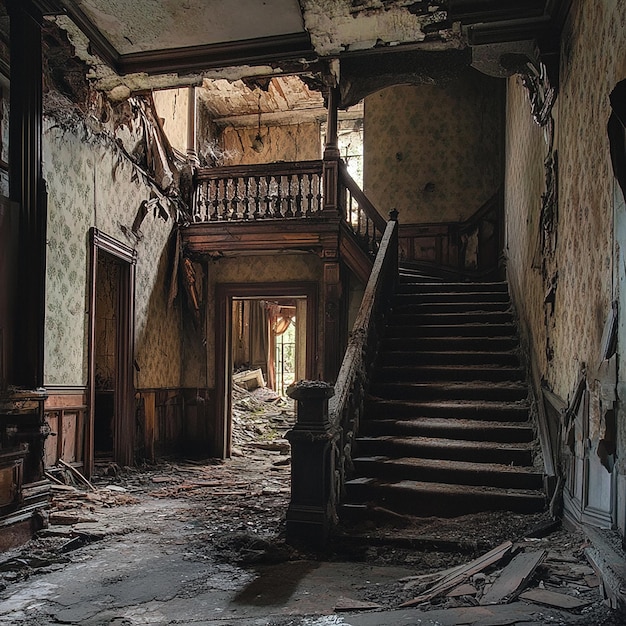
x=361 y=216
x=328 y=417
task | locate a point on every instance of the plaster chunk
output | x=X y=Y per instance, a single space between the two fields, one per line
x=334 y=28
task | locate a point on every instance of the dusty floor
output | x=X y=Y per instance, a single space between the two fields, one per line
x=202 y=543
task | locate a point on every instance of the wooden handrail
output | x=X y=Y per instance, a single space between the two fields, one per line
x=363 y=201
x=346 y=406
x=259 y=169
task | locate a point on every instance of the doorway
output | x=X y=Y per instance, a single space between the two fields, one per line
x=265 y=339
x=110 y=431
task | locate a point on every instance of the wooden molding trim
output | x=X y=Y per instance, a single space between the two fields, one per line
x=113 y=246
x=60 y=390
x=101 y=45
x=210 y=56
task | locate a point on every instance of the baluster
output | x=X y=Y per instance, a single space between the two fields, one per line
x=350 y=203
x=268 y=197
x=299 y=197
x=257 y=198
x=367 y=232
x=359 y=220
x=246 y=198
x=278 y=209
x=197 y=202
x=319 y=196
x=289 y=212
x=224 y=214
x=309 y=196
x=216 y=200
x=236 y=199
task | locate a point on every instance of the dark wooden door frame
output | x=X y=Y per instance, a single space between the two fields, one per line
x=225 y=293
x=123 y=441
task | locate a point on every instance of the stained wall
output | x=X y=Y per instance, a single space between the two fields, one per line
x=292 y=142
x=434 y=152
x=566 y=337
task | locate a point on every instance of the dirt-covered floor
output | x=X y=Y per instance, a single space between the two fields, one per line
x=202 y=542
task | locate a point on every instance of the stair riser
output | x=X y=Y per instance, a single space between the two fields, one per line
x=452 y=307
x=445 y=392
x=402 y=410
x=448 y=358
x=415 y=374
x=451 y=330
x=520 y=458
x=445 y=506
x=374 y=428
x=449 y=344
x=471 y=299
x=504 y=480
x=454 y=319
x=417 y=287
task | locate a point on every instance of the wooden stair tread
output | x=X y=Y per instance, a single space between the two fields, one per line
x=421 y=487
x=464 y=466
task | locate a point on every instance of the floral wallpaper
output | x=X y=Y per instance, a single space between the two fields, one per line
x=434 y=151
x=594 y=49
x=565 y=322
x=91 y=184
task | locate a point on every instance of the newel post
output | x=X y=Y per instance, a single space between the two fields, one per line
x=331 y=153
x=311 y=512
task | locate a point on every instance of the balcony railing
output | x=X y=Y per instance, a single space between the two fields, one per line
x=255 y=192
x=278 y=191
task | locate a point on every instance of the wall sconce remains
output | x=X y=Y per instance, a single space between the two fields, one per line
x=257 y=144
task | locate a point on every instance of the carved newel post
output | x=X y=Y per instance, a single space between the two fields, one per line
x=311 y=512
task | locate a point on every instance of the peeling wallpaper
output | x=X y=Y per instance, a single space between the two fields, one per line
x=258 y=269
x=434 y=152
x=594 y=60
x=90 y=185
x=295 y=142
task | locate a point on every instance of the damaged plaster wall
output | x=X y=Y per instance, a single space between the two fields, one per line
x=293 y=142
x=434 y=152
x=92 y=184
x=334 y=29
x=172 y=107
x=563 y=294
x=258 y=269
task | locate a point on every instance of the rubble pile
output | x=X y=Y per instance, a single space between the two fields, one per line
x=260 y=419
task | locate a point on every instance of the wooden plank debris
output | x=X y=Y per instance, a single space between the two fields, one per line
x=552 y=598
x=456 y=578
x=78 y=474
x=513 y=578
x=462 y=590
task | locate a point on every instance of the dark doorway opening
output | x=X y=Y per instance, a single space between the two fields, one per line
x=111 y=423
x=250 y=321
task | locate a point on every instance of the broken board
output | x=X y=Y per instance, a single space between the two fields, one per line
x=552 y=598
x=514 y=577
x=460 y=576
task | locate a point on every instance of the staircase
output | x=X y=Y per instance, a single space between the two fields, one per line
x=446 y=429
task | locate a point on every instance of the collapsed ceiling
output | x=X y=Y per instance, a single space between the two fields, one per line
x=136 y=45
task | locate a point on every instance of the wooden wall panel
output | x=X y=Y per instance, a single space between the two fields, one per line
x=65 y=413
x=176 y=422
